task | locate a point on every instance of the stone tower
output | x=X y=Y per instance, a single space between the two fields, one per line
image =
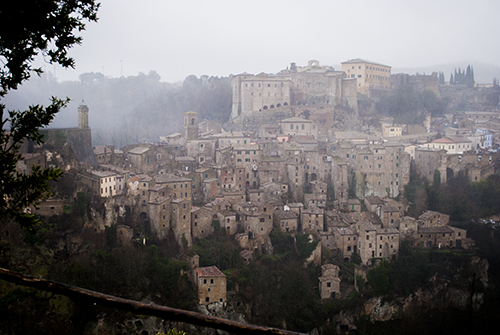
x=191 y=125
x=83 y=117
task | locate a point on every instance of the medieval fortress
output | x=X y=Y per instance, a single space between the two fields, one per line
x=312 y=85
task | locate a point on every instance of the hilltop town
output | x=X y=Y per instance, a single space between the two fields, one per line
x=303 y=153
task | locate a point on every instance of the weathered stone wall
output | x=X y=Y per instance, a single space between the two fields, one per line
x=420 y=82
x=79 y=140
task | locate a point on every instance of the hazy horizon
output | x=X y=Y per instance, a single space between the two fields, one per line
x=223 y=37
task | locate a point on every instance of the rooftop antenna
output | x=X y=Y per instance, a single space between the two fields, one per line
x=121 y=68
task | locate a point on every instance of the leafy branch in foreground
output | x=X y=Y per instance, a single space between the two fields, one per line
x=20 y=190
x=29 y=28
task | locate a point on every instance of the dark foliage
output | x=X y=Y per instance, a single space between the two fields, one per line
x=219 y=250
x=459 y=197
x=27 y=29
x=408 y=105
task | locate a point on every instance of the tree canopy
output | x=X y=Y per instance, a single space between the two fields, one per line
x=409 y=105
x=30 y=28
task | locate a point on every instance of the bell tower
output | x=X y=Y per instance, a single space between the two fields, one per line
x=83 y=117
x=191 y=125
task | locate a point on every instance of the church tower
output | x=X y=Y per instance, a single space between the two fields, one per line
x=83 y=117
x=191 y=125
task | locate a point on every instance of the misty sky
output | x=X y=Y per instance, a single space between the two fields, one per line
x=218 y=38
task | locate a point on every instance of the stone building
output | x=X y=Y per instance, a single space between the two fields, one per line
x=178 y=187
x=211 y=285
x=287 y=221
x=159 y=214
x=298 y=126
x=191 y=125
x=257 y=219
x=329 y=282
x=434 y=219
x=390 y=216
x=387 y=243
x=79 y=139
x=313 y=220
x=101 y=182
x=340 y=178
x=227 y=221
x=202 y=149
x=28 y=161
x=48 y=207
x=451 y=144
x=390 y=129
x=429 y=160
x=435 y=237
x=367 y=241
x=181 y=221
x=103 y=154
x=346 y=240
x=378 y=169
x=369 y=75
x=202 y=220
x=142 y=158
x=408 y=227
x=312 y=85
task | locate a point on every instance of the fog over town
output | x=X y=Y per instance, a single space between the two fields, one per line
x=322 y=167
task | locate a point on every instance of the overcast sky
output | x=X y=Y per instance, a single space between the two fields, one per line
x=222 y=37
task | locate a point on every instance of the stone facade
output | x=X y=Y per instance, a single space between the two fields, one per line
x=329 y=282
x=211 y=285
x=369 y=75
x=287 y=221
x=312 y=84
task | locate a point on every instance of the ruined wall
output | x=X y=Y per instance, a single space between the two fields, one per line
x=420 y=82
x=79 y=140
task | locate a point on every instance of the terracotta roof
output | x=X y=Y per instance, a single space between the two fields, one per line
x=101 y=149
x=347 y=230
x=359 y=60
x=30 y=156
x=103 y=174
x=285 y=214
x=138 y=150
x=434 y=230
x=210 y=271
x=427 y=215
x=169 y=178
x=374 y=200
x=387 y=231
x=329 y=266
